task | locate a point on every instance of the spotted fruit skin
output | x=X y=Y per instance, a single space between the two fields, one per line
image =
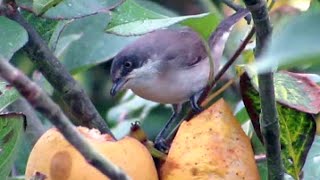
x=54 y=157
x=211 y=146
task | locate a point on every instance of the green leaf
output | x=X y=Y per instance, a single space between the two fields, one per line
x=132 y=19
x=129 y=12
x=297 y=128
x=11 y=129
x=297 y=134
x=314 y=6
x=12 y=36
x=69 y=9
x=7 y=95
x=41 y=6
x=83 y=43
x=296 y=44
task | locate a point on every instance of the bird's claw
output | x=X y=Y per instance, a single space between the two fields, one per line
x=162 y=145
x=196 y=108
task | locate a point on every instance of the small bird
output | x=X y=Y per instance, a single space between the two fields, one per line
x=168 y=66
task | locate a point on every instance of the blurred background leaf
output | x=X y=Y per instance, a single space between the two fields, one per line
x=83 y=43
x=8 y=95
x=12 y=36
x=67 y=9
x=295 y=45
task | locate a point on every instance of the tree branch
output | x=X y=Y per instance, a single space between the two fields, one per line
x=42 y=102
x=73 y=95
x=269 y=117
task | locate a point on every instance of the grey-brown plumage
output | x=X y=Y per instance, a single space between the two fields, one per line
x=165 y=66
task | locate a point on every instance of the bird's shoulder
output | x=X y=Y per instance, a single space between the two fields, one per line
x=183 y=47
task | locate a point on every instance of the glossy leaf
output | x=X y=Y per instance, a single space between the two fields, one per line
x=297 y=134
x=294 y=90
x=132 y=19
x=11 y=129
x=12 y=36
x=7 y=95
x=69 y=9
x=297 y=43
x=297 y=128
x=83 y=43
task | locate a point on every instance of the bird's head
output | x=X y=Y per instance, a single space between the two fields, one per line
x=124 y=68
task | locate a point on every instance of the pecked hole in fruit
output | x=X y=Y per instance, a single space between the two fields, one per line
x=60 y=166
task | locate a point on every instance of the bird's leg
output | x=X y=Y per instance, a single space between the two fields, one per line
x=194 y=102
x=161 y=140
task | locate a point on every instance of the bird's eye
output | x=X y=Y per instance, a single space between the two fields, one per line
x=128 y=64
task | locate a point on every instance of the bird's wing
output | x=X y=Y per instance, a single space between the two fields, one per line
x=183 y=47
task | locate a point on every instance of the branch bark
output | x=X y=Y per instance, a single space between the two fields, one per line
x=42 y=102
x=73 y=95
x=269 y=122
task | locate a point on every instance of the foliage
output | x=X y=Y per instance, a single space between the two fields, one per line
x=11 y=129
x=86 y=35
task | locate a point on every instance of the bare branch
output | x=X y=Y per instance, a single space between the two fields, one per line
x=269 y=122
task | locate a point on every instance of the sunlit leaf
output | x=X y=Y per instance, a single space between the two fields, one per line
x=132 y=19
x=11 y=128
x=294 y=90
x=12 y=36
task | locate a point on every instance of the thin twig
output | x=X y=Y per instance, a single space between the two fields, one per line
x=73 y=95
x=269 y=121
x=218 y=92
x=42 y=103
x=236 y=7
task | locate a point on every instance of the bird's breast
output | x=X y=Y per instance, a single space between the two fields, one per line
x=173 y=86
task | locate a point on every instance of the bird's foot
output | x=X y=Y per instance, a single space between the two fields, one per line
x=196 y=108
x=162 y=145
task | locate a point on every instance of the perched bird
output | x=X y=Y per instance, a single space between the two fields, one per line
x=166 y=66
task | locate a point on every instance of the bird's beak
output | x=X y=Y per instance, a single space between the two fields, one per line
x=118 y=85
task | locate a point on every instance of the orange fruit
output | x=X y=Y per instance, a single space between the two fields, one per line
x=213 y=146
x=54 y=157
